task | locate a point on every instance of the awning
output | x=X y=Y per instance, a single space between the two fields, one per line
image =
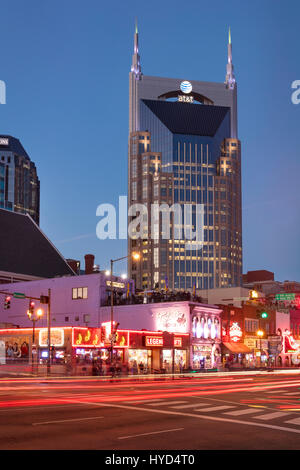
x=237 y=347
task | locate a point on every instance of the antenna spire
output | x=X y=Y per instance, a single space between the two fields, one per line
x=230 y=78
x=136 y=66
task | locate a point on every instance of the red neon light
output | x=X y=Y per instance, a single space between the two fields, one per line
x=178 y=342
x=28 y=329
x=154 y=341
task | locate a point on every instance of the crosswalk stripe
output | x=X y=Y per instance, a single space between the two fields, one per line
x=277 y=391
x=276 y=414
x=247 y=411
x=190 y=405
x=293 y=421
x=293 y=393
x=214 y=408
x=167 y=403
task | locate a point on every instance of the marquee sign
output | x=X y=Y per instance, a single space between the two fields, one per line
x=235 y=332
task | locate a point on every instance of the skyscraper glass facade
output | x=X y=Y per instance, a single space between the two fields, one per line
x=19 y=183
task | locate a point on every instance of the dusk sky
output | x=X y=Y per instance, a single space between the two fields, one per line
x=66 y=64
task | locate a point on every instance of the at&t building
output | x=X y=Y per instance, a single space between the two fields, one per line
x=184 y=149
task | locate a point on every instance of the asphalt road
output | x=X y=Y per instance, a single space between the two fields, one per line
x=209 y=412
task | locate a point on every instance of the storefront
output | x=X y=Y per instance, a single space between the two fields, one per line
x=136 y=351
x=158 y=351
x=206 y=339
x=235 y=353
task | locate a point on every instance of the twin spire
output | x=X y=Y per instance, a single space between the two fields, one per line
x=230 y=78
x=137 y=70
x=136 y=65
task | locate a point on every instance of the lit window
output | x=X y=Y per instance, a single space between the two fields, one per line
x=79 y=293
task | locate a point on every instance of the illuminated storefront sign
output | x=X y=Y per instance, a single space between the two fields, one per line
x=91 y=337
x=172 y=321
x=4 y=141
x=121 y=285
x=154 y=341
x=235 y=332
x=290 y=346
x=87 y=337
x=178 y=342
x=57 y=337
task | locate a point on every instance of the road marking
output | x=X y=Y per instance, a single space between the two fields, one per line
x=192 y=415
x=167 y=403
x=66 y=420
x=149 y=433
x=293 y=393
x=294 y=421
x=277 y=391
x=190 y=405
x=276 y=414
x=215 y=408
x=248 y=411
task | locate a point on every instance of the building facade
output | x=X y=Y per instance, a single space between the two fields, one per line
x=184 y=151
x=19 y=183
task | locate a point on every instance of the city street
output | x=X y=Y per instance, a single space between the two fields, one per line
x=216 y=411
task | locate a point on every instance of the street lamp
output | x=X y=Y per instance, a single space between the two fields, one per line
x=136 y=257
x=34 y=316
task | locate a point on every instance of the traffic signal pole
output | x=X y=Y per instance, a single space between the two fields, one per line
x=49 y=333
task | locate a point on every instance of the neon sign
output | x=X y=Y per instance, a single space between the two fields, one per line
x=178 y=342
x=154 y=341
x=235 y=332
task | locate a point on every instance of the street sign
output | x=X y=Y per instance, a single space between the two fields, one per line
x=19 y=295
x=285 y=296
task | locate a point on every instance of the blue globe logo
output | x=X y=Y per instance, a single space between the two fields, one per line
x=186 y=87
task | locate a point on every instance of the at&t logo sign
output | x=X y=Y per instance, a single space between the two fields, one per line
x=186 y=87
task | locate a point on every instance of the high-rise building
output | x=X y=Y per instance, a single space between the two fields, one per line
x=184 y=150
x=19 y=183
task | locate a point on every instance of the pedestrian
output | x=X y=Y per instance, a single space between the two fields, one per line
x=141 y=367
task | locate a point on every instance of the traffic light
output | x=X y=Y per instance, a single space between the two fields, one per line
x=7 y=302
x=31 y=308
x=262 y=314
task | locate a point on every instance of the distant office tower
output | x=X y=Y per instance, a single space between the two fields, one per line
x=184 y=149
x=19 y=183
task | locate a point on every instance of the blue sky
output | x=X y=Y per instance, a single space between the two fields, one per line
x=66 y=64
